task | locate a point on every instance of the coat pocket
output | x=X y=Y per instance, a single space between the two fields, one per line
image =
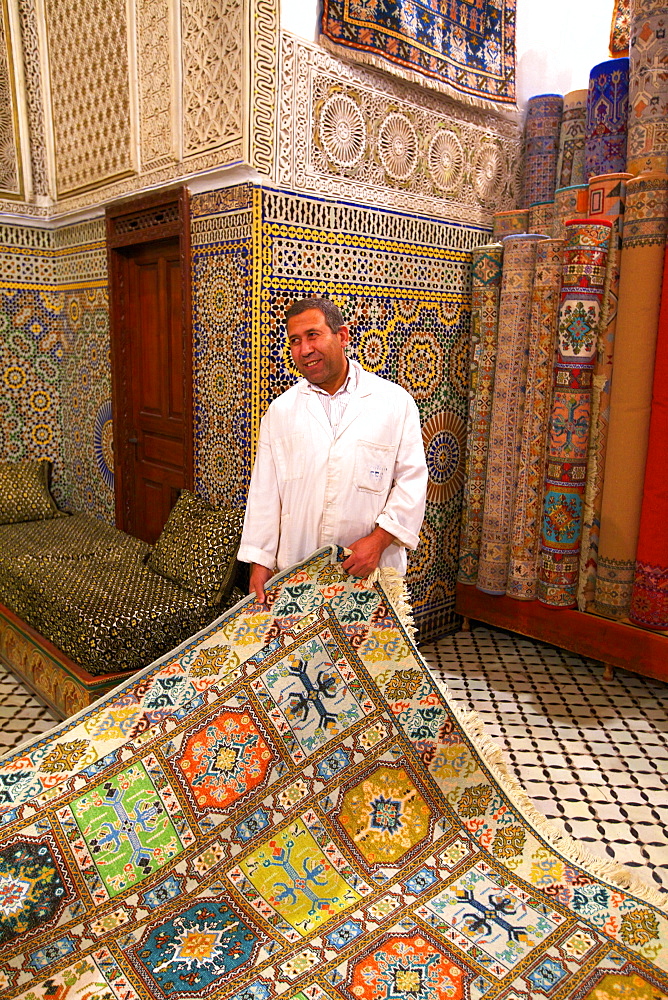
x=290 y=456
x=373 y=467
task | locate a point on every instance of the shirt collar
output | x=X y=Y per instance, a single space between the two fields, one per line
x=349 y=385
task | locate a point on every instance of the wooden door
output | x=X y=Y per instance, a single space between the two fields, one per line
x=152 y=376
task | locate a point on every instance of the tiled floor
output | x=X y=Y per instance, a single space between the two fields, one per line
x=592 y=756
x=21 y=715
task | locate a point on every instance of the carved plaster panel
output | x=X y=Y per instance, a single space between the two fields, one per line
x=345 y=132
x=10 y=172
x=34 y=95
x=264 y=84
x=213 y=65
x=90 y=92
x=155 y=47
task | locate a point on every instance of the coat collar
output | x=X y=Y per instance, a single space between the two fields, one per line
x=353 y=409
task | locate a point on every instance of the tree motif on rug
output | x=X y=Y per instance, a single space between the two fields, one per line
x=312 y=820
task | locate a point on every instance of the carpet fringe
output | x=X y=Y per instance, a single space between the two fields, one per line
x=494 y=758
x=509 y=111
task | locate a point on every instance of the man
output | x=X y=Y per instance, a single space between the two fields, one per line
x=340 y=460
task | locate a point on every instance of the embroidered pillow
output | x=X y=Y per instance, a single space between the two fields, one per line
x=198 y=546
x=24 y=492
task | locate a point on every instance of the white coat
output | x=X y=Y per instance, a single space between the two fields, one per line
x=309 y=488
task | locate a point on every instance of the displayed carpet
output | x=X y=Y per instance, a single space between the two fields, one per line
x=462 y=48
x=607 y=197
x=541 y=218
x=583 y=276
x=619 y=29
x=310 y=818
x=528 y=499
x=509 y=223
x=649 y=600
x=519 y=257
x=569 y=203
x=607 y=112
x=541 y=147
x=648 y=87
x=641 y=273
x=570 y=161
x=486 y=262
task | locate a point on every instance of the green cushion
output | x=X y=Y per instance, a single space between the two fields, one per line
x=198 y=546
x=24 y=492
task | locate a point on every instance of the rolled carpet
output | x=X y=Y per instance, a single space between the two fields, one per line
x=485 y=290
x=619 y=29
x=541 y=218
x=648 y=87
x=583 y=277
x=527 y=505
x=510 y=223
x=570 y=162
x=569 y=203
x=607 y=112
x=649 y=600
x=645 y=229
x=519 y=255
x=541 y=147
x=607 y=197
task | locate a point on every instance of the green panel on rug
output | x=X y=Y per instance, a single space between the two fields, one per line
x=126 y=828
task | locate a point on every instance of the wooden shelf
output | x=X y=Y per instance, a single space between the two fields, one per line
x=616 y=644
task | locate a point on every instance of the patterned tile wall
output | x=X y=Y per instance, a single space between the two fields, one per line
x=86 y=378
x=31 y=350
x=223 y=323
x=402 y=283
x=54 y=359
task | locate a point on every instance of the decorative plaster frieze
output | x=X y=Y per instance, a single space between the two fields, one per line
x=349 y=133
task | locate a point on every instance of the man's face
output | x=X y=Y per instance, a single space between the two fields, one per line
x=316 y=351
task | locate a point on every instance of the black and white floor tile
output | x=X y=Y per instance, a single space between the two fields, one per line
x=592 y=756
x=21 y=714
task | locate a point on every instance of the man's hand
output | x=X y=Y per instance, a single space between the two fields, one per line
x=366 y=552
x=258 y=577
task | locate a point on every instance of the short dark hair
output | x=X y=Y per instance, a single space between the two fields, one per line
x=333 y=316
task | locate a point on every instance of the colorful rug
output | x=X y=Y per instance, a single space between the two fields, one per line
x=570 y=162
x=648 y=87
x=509 y=223
x=541 y=218
x=607 y=198
x=607 y=113
x=463 y=48
x=619 y=29
x=583 y=277
x=641 y=273
x=316 y=822
x=528 y=500
x=485 y=289
x=569 y=203
x=541 y=147
x=649 y=601
x=519 y=257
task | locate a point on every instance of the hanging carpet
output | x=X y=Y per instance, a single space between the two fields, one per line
x=288 y=806
x=463 y=48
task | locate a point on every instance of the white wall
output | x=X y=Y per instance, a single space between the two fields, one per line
x=557 y=44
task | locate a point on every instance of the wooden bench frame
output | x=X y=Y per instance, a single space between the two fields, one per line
x=64 y=686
